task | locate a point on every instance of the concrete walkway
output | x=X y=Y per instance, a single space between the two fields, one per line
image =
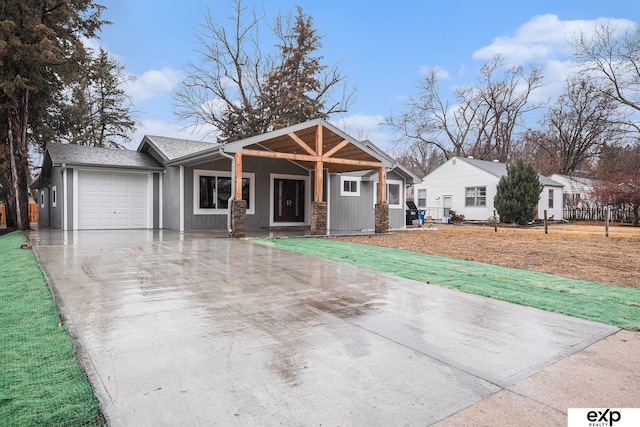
x=189 y=329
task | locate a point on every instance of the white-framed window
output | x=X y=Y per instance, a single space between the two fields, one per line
x=394 y=194
x=212 y=190
x=349 y=186
x=41 y=198
x=422 y=197
x=54 y=196
x=550 y=198
x=475 y=196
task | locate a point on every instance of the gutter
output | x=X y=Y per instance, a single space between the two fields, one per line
x=233 y=188
x=65 y=196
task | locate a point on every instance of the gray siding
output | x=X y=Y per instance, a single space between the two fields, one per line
x=351 y=212
x=262 y=168
x=43 y=212
x=50 y=216
x=358 y=212
x=55 y=214
x=397 y=218
x=69 y=198
x=156 y=200
x=171 y=198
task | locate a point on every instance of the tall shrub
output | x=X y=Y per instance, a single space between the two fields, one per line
x=518 y=194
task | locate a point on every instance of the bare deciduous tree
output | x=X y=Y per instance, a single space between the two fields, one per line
x=578 y=125
x=504 y=100
x=480 y=120
x=421 y=159
x=431 y=120
x=612 y=59
x=619 y=179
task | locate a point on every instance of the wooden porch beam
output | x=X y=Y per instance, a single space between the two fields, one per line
x=307 y=158
x=335 y=149
x=301 y=143
x=238 y=178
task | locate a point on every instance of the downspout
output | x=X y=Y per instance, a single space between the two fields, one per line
x=64 y=200
x=233 y=188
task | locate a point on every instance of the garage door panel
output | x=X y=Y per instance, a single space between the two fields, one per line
x=109 y=200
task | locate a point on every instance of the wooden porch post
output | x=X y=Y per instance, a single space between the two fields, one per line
x=382 y=185
x=238 y=206
x=382 y=208
x=318 y=187
x=238 y=177
x=318 y=207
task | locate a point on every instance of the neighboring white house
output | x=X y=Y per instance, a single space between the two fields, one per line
x=468 y=186
x=576 y=191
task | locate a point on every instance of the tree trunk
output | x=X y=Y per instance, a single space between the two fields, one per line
x=19 y=157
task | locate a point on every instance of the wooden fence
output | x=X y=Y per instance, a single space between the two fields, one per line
x=33 y=214
x=598 y=214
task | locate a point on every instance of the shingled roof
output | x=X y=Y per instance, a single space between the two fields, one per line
x=174 y=148
x=500 y=169
x=82 y=155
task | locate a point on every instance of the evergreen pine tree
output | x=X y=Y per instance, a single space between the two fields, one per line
x=518 y=194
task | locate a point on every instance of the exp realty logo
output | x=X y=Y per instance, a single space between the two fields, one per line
x=603 y=417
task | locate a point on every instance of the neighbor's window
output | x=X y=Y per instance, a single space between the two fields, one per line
x=349 y=186
x=212 y=190
x=53 y=196
x=475 y=196
x=550 y=199
x=422 y=197
x=41 y=199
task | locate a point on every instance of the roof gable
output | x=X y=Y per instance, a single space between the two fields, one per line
x=174 y=148
x=300 y=140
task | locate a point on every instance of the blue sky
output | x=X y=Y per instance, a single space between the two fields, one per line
x=383 y=47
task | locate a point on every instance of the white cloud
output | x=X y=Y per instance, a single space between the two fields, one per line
x=440 y=72
x=153 y=83
x=543 y=37
x=364 y=126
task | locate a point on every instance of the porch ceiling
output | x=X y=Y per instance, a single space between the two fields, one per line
x=302 y=143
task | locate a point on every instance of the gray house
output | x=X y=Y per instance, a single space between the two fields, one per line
x=308 y=175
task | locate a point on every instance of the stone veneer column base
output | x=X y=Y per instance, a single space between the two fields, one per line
x=239 y=218
x=319 y=218
x=382 y=218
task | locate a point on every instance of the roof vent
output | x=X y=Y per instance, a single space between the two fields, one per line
x=495 y=161
x=469 y=157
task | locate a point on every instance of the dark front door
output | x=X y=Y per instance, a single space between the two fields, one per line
x=288 y=200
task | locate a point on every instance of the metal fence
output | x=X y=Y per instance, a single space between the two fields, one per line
x=598 y=214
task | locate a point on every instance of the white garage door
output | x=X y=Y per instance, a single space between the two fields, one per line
x=112 y=200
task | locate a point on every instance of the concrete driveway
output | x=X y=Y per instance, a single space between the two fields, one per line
x=196 y=330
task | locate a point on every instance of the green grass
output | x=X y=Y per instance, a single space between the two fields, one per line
x=613 y=305
x=41 y=380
